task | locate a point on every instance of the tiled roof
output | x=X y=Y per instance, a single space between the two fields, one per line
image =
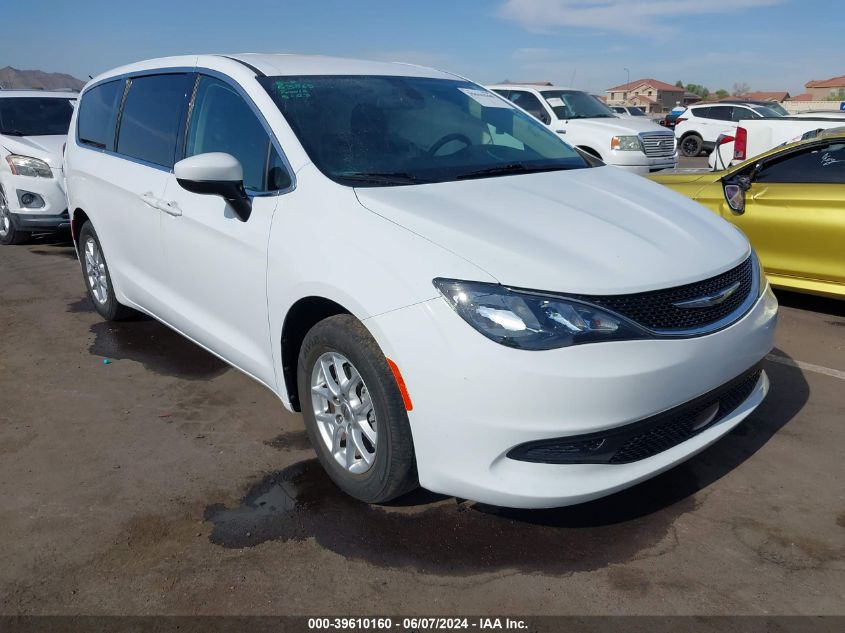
x=804 y=96
x=765 y=96
x=833 y=82
x=657 y=85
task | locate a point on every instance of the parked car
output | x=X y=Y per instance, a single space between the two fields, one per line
x=33 y=129
x=755 y=136
x=624 y=111
x=450 y=294
x=789 y=202
x=701 y=125
x=635 y=144
x=671 y=117
x=774 y=106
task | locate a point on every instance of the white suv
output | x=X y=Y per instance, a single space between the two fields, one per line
x=635 y=144
x=700 y=126
x=33 y=129
x=450 y=294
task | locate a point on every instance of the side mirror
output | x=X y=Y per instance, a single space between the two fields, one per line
x=215 y=174
x=735 y=195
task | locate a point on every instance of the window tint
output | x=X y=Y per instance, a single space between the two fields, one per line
x=36 y=116
x=503 y=93
x=743 y=114
x=720 y=113
x=823 y=164
x=530 y=104
x=701 y=113
x=221 y=121
x=98 y=114
x=151 y=116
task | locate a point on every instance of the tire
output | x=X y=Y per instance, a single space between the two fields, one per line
x=342 y=341
x=9 y=235
x=691 y=145
x=98 y=280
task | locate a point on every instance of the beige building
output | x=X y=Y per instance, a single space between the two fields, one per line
x=820 y=89
x=649 y=94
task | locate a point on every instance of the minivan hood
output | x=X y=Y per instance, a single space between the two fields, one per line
x=588 y=231
x=619 y=126
x=47 y=148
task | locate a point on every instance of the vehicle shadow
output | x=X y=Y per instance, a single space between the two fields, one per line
x=812 y=303
x=432 y=533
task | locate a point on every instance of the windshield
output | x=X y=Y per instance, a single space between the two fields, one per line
x=34 y=116
x=573 y=104
x=766 y=111
x=635 y=112
x=778 y=108
x=384 y=130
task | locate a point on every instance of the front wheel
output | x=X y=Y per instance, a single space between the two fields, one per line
x=8 y=233
x=97 y=278
x=354 y=412
x=691 y=146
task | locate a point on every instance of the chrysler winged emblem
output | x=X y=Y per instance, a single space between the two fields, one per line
x=709 y=301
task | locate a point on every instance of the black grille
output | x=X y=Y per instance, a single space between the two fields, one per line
x=655 y=311
x=647 y=437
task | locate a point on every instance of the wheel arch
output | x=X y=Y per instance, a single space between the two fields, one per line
x=77 y=219
x=304 y=314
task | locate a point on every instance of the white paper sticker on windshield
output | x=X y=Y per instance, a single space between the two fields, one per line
x=555 y=102
x=486 y=99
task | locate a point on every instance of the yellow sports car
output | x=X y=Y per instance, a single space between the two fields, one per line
x=790 y=202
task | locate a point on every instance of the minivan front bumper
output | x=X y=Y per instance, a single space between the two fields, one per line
x=475 y=401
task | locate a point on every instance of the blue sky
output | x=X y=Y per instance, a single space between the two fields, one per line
x=768 y=44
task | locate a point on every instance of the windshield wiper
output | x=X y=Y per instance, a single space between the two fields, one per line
x=512 y=168
x=389 y=178
x=14 y=133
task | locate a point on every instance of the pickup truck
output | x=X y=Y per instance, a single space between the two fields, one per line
x=635 y=144
x=755 y=136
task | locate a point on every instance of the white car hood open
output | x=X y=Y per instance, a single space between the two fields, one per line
x=47 y=148
x=591 y=231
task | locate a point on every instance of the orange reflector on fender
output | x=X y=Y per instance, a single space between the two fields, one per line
x=400 y=382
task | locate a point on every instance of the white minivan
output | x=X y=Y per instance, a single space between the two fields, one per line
x=451 y=295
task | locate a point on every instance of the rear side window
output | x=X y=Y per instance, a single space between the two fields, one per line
x=152 y=113
x=98 y=114
x=222 y=121
x=721 y=113
x=698 y=112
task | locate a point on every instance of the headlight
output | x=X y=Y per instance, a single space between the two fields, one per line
x=28 y=166
x=626 y=143
x=530 y=321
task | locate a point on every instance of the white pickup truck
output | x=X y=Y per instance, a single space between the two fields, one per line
x=635 y=144
x=753 y=137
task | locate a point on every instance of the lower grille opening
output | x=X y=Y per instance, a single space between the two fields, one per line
x=645 y=438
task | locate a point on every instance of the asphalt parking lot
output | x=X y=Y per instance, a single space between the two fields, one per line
x=164 y=482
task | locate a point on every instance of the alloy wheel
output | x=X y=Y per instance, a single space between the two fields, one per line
x=5 y=217
x=95 y=270
x=344 y=411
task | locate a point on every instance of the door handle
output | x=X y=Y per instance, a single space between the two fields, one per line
x=151 y=200
x=170 y=208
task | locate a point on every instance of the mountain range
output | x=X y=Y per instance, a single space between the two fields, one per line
x=12 y=78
